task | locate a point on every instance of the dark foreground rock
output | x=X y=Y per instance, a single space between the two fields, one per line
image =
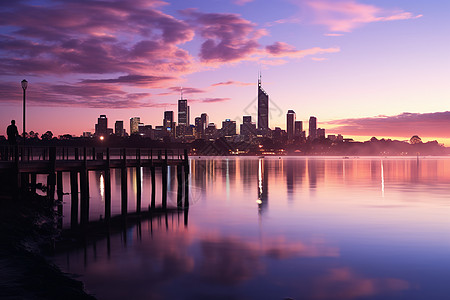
x=27 y=229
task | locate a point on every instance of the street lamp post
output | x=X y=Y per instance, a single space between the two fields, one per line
x=24 y=87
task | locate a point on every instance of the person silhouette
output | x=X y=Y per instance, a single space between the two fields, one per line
x=12 y=133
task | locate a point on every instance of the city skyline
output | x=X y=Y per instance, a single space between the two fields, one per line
x=362 y=68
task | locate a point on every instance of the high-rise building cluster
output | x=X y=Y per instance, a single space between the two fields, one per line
x=183 y=130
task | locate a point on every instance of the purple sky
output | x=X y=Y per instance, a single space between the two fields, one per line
x=343 y=61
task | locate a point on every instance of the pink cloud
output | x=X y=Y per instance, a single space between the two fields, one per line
x=406 y=125
x=229 y=37
x=232 y=82
x=72 y=37
x=149 y=81
x=93 y=95
x=346 y=15
x=242 y=2
x=176 y=90
x=210 y=100
x=291 y=20
x=282 y=49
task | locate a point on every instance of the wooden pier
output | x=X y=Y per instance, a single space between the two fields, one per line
x=22 y=164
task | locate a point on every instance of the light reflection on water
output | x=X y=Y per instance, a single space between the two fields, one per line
x=269 y=228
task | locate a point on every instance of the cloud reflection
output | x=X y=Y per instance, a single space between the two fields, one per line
x=230 y=260
x=344 y=283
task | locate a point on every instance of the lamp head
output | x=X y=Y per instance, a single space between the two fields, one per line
x=24 y=84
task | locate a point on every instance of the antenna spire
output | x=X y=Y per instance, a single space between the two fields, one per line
x=181 y=91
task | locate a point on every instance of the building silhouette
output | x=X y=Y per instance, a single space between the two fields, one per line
x=211 y=131
x=320 y=133
x=248 y=128
x=118 y=128
x=205 y=121
x=228 y=128
x=290 y=124
x=101 y=128
x=298 y=131
x=198 y=127
x=168 y=123
x=312 y=128
x=263 y=108
x=146 y=130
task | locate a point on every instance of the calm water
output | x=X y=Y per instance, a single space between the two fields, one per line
x=304 y=228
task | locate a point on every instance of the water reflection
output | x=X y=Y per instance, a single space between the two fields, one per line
x=102 y=187
x=325 y=235
x=262 y=186
x=382 y=179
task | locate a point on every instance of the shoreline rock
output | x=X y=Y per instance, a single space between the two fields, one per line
x=27 y=230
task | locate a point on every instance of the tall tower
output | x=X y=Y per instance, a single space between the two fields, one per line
x=290 y=121
x=183 y=111
x=102 y=125
x=312 y=128
x=118 y=126
x=205 y=121
x=263 y=107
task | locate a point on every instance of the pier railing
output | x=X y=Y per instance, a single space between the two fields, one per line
x=38 y=153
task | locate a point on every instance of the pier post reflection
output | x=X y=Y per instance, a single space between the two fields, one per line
x=138 y=181
x=73 y=199
x=164 y=181
x=180 y=186
x=84 y=190
x=186 y=179
x=124 y=183
x=107 y=186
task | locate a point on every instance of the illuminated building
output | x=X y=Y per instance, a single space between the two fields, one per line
x=134 y=125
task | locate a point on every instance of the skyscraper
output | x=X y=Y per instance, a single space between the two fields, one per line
x=312 y=128
x=118 y=128
x=134 y=125
x=248 y=128
x=183 y=112
x=290 y=121
x=168 y=121
x=228 y=127
x=263 y=108
x=102 y=125
x=183 y=118
x=298 y=131
x=205 y=121
x=198 y=128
